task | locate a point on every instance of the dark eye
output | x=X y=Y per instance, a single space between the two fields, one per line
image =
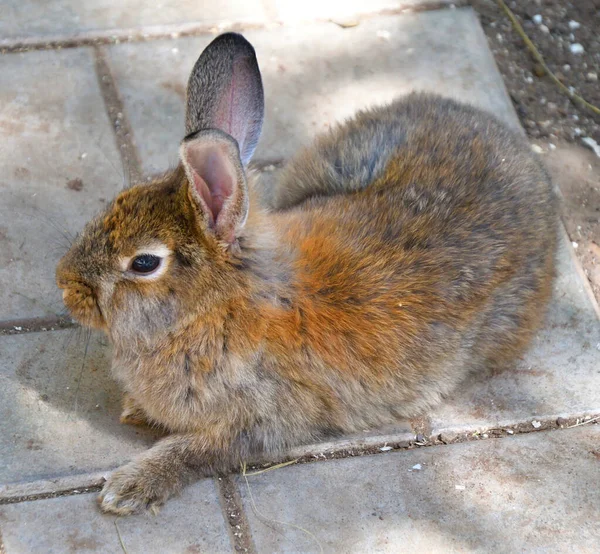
x=145 y=263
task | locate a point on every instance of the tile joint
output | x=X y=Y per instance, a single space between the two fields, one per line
x=35 y=325
x=235 y=514
x=178 y=30
x=228 y=488
x=115 y=110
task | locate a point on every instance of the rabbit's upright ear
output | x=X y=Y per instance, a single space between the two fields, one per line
x=225 y=92
x=225 y=108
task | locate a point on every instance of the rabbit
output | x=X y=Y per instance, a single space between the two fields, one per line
x=406 y=249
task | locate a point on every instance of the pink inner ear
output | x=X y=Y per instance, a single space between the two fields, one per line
x=214 y=178
x=233 y=107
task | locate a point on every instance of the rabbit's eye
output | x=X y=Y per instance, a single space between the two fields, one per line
x=145 y=264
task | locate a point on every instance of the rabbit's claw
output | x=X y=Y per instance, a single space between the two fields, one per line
x=132 y=489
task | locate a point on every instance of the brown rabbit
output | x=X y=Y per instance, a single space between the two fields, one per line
x=406 y=248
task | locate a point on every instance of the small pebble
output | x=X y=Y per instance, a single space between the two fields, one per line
x=536 y=424
x=510 y=431
x=592 y=144
x=576 y=48
x=18 y=328
x=575 y=245
x=544 y=29
x=573 y=25
x=537 y=19
x=592 y=76
x=385 y=448
x=537 y=149
x=566 y=67
x=417 y=467
x=460 y=487
x=552 y=146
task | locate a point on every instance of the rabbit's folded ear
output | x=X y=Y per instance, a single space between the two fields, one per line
x=217 y=182
x=225 y=92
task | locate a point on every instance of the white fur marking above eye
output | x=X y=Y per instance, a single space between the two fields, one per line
x=156 y=249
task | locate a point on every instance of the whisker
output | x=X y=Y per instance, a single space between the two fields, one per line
x=80 y=377
x=73 y=331
x=63 y=233
x=126 y=177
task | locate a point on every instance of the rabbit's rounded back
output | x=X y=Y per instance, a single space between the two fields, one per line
x=443 y=132
x=432 y=219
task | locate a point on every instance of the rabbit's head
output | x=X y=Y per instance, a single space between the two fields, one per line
x=166 y=250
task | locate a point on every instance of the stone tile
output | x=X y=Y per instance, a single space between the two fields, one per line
x=559 y=376
x=315 y=75
x=190 y=523
x=59 y=165
x=28 y=18
x=528 y=493
x=60 y=410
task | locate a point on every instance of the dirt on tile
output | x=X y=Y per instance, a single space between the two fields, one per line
x=577 y=173
x=566 y=35
x=75 y=184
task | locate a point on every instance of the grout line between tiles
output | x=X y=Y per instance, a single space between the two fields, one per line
x=119 y=122
x=235 y=515
x=316 y=453
x=177 y=30
x=35 y=325
x=48 y=495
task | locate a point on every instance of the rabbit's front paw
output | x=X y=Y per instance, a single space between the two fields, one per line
x=134 y=488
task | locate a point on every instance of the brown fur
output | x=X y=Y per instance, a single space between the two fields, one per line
x=407 y=248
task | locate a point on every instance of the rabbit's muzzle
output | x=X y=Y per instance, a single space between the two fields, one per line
x=81 y=302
